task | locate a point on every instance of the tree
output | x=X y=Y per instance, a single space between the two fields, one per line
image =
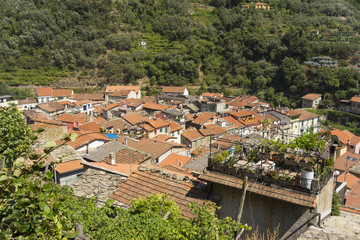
x=15 y=136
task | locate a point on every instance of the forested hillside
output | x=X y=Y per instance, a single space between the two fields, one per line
x=297 y=46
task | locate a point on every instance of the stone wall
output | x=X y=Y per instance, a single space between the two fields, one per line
x=88 y=184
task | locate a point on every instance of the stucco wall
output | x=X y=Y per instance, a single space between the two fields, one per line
x=325 y=199
x=259 y=211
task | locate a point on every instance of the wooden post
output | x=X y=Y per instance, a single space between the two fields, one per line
x=242 y=199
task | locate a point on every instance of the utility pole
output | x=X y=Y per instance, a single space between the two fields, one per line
x=241 y=205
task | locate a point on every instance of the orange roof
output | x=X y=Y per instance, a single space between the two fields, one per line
x=81 y=103
x=121 y=93
x=110 y=106
x=147 y=127
x=90 y=126
x=162 y=137
x=355 y=99
x=233 y=121
x=261 y=4
x=62 y=92
x=103 y=122
x=354 y=140
x=83 y=139
x=341 y=135
x=240 y=114
x=353 y=198
x=134 y=118
x=154 y=106
x=121 y=88
x=192 y=134
x=272 y=117
x=71 y=118
x=203 y=118
x=304 y=115
x=346 y=161
x=43 y=91
x=70 y=166
x=208 y=94
x=312 y=96
x=212 y=129
x=133 y=102
x=93 y=96
x=52 y=106
x=174 y=159
x=158 y=123
x=173 y=89
x=174 y=126
x=28 y=101
x=350 y=180
x=189 y=117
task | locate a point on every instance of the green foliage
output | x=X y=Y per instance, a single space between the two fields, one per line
x=16 y=136
x=335 y=207
x=218 y=158
x=225 y=153
x=154 y=203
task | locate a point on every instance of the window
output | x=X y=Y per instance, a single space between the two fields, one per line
x=161 y=130
x=166 y=130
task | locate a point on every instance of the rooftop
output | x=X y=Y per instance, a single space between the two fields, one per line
x=203 y=118
x=147 y=181
x=175 y=160
x=121 y=88
x=312 y=96
x=70 y=166
x=173 y=90
x=134 y=118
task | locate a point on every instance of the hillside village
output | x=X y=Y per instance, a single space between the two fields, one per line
x=197 y=148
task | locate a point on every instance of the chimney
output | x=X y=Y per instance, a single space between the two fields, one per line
x=125 y=141
x=112 y=158
x=180 y=164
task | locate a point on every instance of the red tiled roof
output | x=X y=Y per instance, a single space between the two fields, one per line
x=203 y=118
x=121 y=93
x=174 y=126
x=208 y=94
x=304 y=115
x=355 y=99
x=121 y=88
x=162 y=137
x=272 y=117
x=152 y=147
x=103 y=122
x=312 y=96
x=173 y=89
x=233 y=121
x=175 y=160
x=134 y=118
x=83 y=139
x=342 y=164
x=350 y=179
x=119 y=124
x=62 y=92
x=341 y=135
x=154 y=106
x=90 y=126
x=287 y=195
x=52 y=107
x=240 y=114
x=212 y=129
x=353 y=198
x=145 y=183
x=70 y=166
x=43 y=91
x=192 y=134
x=354 y=140
x=110 y=106
x=158 y=123
x=80 y=104
x=71 y=118
x=189 y=117
x=128 y=156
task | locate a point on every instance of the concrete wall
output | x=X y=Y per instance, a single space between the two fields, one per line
x=325 y=199
x=260 y=211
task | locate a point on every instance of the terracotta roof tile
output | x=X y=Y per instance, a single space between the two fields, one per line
x=28 y=101
x=212 y=129
x=192 y=134
x=163 y=137
x=174 y=126
x=119 y=124
x=241 y=114
x=350 y=179
x=121 y=88
x=134 y=118
x=312 y=96
x=52 y=107
x=71 y=118
x=158 y=123
x=90 y=126
x=283 y=194
x=354 y=140
x=70 y=166
x=83 y=139
x=175 y=160
x=110 y=106
x=203 y=118
x=346 y=161
x=152 y=147
x=103 y=122
x=189 y=117
x=62 y=92
x=154 y=106
x=121 y=93
x=353 y=198
x=168 y=89
x=355 y=99
x=128 y=156
x=341 y=135
x=43 y=91
x=145 y=183
x=304 y=115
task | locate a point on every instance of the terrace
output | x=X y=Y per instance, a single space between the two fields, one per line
x=306 y=169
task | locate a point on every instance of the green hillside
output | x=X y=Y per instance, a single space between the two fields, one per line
x=279 y=54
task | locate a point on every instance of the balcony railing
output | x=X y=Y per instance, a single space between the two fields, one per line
x=260 y=176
